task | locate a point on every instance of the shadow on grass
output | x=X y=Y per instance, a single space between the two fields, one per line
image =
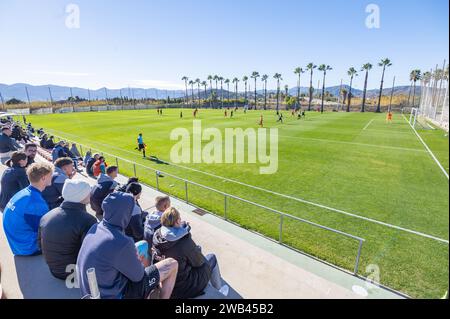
x=156 y=160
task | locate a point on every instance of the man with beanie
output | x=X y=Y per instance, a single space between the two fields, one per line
x=62 y=230
x=120 y=273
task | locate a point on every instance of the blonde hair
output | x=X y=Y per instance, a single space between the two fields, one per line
x=38 y=170
x=170 y=217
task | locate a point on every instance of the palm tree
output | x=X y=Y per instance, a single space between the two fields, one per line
x=366 y=67
x=264 y=79
x=310 y=67
x=255 y=75
x=210 y=79
x=235 y=81
x=277 y=76
x=216 y=78
x=415 y=76
x=185 y=79
x=344 y=93
x=227 y=82
x=198 y=89
x=409 y=92
x=298 y=71
x=352 y=73
x=205 y=84
x=245 y=79
x=324 y=68
x=191 y=83
x=221 y=91
x=384 y=63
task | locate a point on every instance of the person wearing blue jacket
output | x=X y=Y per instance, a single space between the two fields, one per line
x=120 y=273
x=24 y=211
x=14 y=178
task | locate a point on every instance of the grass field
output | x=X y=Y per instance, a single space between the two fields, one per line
x=351 y=162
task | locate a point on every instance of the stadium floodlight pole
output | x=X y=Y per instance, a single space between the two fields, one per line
x=71 y=95
x=89 y=95
x=3 y=102
x=339 y=96
x=106 y=95
x=392 y=94
x=28 y=96
x=51 y=97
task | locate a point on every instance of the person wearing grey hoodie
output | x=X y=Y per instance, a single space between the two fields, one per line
x=120 y=273
x=195 y=271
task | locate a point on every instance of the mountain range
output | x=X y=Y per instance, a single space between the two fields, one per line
x=42 y=92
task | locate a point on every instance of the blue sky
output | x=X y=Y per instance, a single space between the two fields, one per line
x=154 y=43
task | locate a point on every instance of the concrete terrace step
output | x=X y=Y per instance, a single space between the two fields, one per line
x=253 y=266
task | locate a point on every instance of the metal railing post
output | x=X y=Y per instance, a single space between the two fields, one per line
x=186 y=191
x=225 y=207
x=134 y=168
x=157 y=180
x=358 y=256
x=117 y=162
x=81 y=150
x=280 y=235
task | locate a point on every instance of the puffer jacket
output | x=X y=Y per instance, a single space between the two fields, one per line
x=193 y=269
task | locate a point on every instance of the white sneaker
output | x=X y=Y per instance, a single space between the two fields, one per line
x=224 y=290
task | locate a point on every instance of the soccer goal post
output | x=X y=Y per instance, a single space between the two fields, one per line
x=413 y=116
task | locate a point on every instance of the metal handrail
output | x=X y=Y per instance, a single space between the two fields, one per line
x=226 y=196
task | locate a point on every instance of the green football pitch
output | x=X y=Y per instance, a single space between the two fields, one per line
x=349 y=171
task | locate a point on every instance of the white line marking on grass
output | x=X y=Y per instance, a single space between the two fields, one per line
x=355 y=143
x=287 y=196
x=428 y=149
x=368 y=124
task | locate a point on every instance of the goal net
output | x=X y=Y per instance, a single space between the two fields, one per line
x=434 y=97
x=418 y=121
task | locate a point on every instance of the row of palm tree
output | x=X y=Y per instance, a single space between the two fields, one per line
x=431 y=84
x=310 y=67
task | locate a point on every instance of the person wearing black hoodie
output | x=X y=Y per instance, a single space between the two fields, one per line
x=120 y=273
x=123 y=188
x=195 y=271
x=14 y=178
x=90 y=164
x=135 y=228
